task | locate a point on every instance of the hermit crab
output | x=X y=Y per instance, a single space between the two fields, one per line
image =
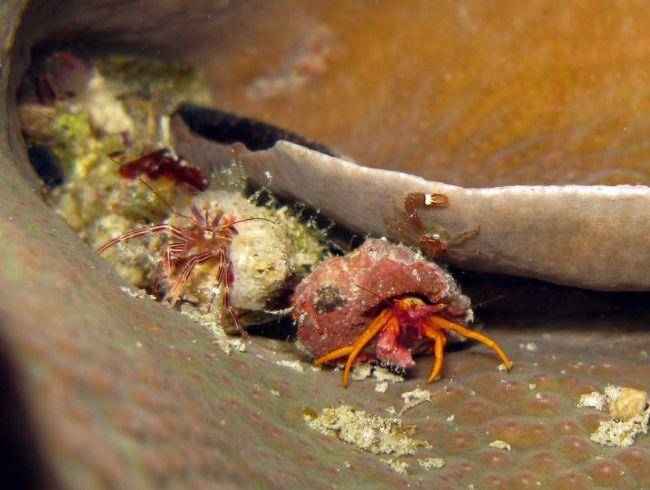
x=201 y=235
x=220 y=248
x=382 y=302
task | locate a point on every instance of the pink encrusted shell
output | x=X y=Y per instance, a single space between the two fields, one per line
x=339 y=299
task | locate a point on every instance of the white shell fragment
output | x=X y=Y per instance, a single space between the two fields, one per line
x=588 y=236
x=629 y=411
x=498 y=444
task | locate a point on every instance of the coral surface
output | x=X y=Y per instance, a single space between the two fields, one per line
x=486 y=428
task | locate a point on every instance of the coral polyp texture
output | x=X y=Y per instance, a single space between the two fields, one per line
x=382 y=302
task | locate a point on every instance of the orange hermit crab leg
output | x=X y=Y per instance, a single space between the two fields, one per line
x=377 y=324
x=440 y=340
x=484 y=339
x=343 y=351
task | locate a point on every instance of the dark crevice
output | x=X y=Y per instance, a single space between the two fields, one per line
x=496 y=296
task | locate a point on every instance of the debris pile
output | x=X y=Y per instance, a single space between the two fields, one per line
x=629 y=411
x=372 y=433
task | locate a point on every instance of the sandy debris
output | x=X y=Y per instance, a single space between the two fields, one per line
x=629 y=412
x=372 y=433
x=431 y=463
x=361 y=372
x=236 y=345
x=502 y=367
x=381 y=374
x=275 y=392
x=592 y=400
x=381 y=387
x=620 y=433
x=137 y=293
x=529 y=346
x=414 y=398
x=532 y=386
x=498 y=444
x=227 y=343
x=295 y=365
x=450 y=418
x=397 y=465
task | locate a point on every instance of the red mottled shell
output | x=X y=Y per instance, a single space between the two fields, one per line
x=336 y=302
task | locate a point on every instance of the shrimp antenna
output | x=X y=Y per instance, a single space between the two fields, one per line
x=251 y=219
x=148 y=186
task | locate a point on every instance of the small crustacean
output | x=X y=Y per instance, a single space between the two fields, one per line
x=415 y=200
x=206 y=238
x=382 y=302
x=432 y=243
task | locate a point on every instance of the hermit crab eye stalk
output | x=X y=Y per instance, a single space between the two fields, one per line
x=418 y=305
